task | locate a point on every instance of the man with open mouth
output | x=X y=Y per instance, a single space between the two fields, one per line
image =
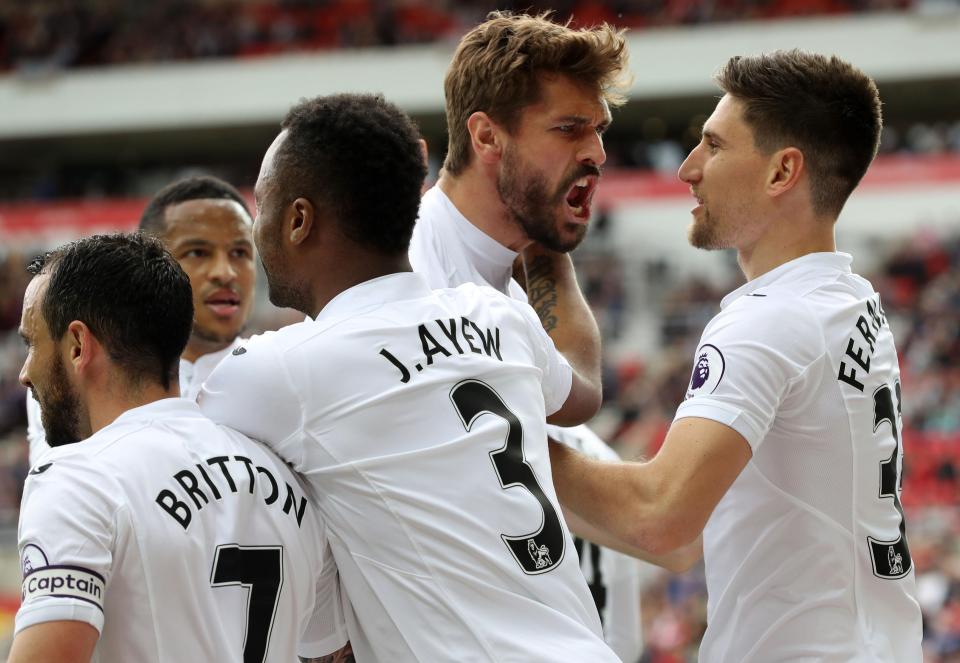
x=204 y=222
x=527 y=103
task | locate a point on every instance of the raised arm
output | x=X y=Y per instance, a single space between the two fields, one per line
x=553 y=292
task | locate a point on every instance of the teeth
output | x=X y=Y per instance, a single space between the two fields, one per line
x=577 y=211
x=582 y=182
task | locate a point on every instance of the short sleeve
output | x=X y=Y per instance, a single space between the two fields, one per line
x=557 y=373
x=749 y=359
x=250 y=392
x=326 y=631
x=66 y=534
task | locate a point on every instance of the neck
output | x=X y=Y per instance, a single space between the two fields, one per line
x=352 y=268
x=197 y=347
x=104 y=408
x=800 y=239
x=474 y=193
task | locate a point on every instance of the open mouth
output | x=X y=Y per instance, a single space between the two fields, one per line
x=580 y=196
x=698 y=198
x=224 y=303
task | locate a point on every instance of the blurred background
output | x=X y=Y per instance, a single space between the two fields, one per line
x=102 y=102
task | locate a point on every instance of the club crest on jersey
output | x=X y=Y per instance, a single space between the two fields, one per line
x=32 y=558
x=539 y=554
x=707 y=371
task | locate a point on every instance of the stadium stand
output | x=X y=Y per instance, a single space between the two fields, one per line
x=75 y=169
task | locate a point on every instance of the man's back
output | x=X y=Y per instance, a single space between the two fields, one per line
x=419 y=419
x=810 y=538
x=187 y=542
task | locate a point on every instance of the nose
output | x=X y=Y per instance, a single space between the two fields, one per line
x=23 y=377
x=222 y=270
x=691 y=168
x=592 y=152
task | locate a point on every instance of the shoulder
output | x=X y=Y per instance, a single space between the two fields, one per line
x=772 y=317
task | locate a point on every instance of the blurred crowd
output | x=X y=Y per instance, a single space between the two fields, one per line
x=55 y=34
x=919 y=282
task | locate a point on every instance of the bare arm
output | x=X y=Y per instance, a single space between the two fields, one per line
x=660 y=505
x=60 y=641
x=344 y=655
x=677 y=561
x=553 y=292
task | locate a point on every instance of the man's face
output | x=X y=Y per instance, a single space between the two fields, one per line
x=268 y=227
x=551 y=163
x=44 y=372
x=212 y=240
x=727 y=175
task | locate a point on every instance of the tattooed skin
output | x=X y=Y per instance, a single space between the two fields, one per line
x=542 y=291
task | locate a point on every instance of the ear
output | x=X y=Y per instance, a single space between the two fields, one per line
x=424 y=151
x=82 y=347
x=486 y=137
x=300 y=220
x=786 y=168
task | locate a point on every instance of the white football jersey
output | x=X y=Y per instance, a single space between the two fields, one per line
x=450 y=251
x=192 y=375
x=418 y=417
x=178 y=540
x=806 y=555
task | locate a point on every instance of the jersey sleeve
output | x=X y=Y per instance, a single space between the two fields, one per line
x=326 y=631
x=557 y=372
x=68 y=524
x=250 y=392
x=750 y=358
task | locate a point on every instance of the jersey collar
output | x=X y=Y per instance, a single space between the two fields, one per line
x=161 y=409
x=792 y=271
x=373 y=294
x=492 y=260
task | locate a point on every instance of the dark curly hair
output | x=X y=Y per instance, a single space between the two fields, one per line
x=199 y=187
x=130 y=292
x=358 y=156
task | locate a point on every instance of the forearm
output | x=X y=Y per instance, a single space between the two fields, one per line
x=677 y=561
x=553 y=292
x=619 y=503
x=344 y=655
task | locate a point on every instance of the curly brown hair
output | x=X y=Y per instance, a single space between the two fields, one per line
x=498 y=65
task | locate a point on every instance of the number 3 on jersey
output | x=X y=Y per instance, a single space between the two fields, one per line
x=540 y=550
x=891 y=559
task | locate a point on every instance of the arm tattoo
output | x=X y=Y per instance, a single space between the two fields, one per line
x=337 y=657
x=542 y=291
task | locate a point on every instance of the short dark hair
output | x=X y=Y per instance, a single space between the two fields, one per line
x=359 y=156
x=199 y=187
x=130 y=292
x=824 y=106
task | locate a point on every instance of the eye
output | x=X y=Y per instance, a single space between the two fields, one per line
x=241 y=252
x=196 y=253
x=566 y=128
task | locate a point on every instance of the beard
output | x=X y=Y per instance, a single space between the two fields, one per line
x=59 y=407
x=705 y=233
x=285 y=295
x=210 y=336
x=534 y=208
